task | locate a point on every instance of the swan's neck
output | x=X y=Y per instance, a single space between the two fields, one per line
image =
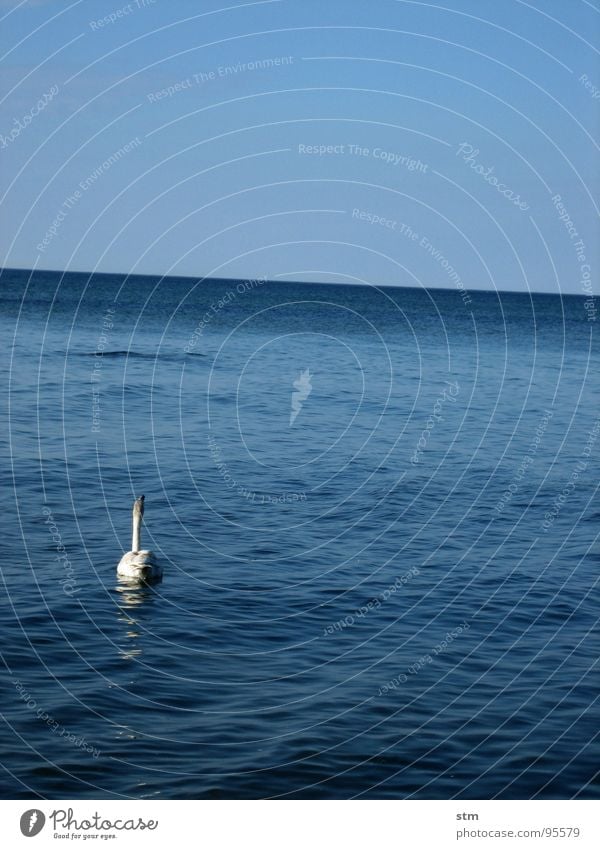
x=137 y=527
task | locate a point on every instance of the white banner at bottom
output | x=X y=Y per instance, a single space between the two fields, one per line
x=299 y=824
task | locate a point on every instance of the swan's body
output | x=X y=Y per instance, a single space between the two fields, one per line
x=141 y=565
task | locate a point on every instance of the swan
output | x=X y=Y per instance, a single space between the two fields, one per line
x=139 y=564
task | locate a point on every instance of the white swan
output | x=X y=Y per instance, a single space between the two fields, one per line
x=139 y=564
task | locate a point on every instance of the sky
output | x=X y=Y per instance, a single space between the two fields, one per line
x=392 y=142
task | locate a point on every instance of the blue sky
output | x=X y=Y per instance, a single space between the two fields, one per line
x=391 y=142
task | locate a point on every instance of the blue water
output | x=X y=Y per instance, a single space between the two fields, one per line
x=312 y=567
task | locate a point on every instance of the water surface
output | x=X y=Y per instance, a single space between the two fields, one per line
x=393 y=596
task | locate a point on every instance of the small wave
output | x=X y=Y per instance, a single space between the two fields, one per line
x=141 y=355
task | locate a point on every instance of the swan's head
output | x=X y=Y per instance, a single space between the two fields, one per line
x=138 y=507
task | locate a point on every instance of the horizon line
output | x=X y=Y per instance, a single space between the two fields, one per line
x=527 y=292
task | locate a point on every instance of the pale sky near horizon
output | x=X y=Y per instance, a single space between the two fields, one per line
x=395 y=142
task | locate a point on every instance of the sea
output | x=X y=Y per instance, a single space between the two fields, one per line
x=377 y=512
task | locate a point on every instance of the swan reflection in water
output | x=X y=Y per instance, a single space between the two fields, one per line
x=132 y=595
